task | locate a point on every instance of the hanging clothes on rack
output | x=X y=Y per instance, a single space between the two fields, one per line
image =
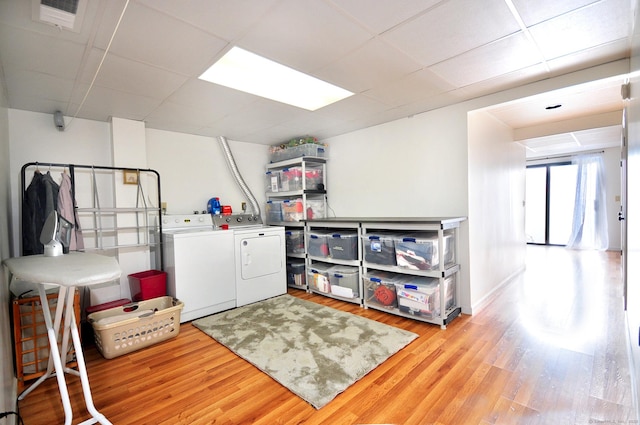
x=40 y=199
x=67 y=208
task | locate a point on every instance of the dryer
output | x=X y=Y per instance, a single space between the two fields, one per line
x=260 y=257
x=260 y=263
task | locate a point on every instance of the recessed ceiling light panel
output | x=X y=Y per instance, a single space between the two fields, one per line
x=248 y=72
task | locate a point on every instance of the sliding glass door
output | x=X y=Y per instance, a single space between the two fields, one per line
x=550 y=198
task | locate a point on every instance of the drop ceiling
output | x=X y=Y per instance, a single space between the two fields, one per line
x=400 y=57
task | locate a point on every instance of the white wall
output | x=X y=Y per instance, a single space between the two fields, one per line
x=193 y=170
x=632 y=251
x=7 y=380
x=496 y=205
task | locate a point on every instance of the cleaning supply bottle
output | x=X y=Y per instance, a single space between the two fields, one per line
x=213 y=206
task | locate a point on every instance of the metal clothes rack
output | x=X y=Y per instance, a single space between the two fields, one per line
x=97 y=211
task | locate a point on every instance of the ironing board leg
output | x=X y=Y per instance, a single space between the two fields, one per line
x=55 y=354
x=82 y=369
x=56 y=327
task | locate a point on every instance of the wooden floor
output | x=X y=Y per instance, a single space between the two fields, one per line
x=549 y=349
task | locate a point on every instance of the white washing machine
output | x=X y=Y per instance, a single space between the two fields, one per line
x=260 y=258
x=200 y=265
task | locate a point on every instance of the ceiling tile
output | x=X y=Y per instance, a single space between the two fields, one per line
x=217 y=100
x=164 y=42
x=591 y=26
x=41 y=53
x=412 y=88
x=134 y=77
x=380 y=16
x=452 y=28
x=173 y=113
x=489 y=61
x=304 y=35
x=368 y=66
x=504 y=81
x=600 y=137
x=607 y=52
x=103 y=103
x=225 y=19
x=37 y=85
x=534 y=12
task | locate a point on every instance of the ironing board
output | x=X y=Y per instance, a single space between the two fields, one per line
x=67 y=272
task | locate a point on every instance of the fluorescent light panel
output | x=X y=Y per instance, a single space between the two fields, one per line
x=248 y=72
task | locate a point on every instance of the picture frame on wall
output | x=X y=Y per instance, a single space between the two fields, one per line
x=130 y=176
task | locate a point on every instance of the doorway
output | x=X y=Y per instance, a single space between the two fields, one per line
x=550 y=197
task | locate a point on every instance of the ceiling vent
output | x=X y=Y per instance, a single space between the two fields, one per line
x=63 y=14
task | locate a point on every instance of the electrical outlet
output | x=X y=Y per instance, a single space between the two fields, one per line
x=244 y=206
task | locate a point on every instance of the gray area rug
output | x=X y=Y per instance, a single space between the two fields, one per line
x=315 y=351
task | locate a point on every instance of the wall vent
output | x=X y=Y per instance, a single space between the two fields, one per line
x=64 y=14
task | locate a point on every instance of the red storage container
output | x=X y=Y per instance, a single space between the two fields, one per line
x=107 y=305
x=148 y=284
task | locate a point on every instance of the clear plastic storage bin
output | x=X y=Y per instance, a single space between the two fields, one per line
x=319 y=277
x=343 y=245
x=294 y=241
x=419 y=296
x=419 y=251
x=345 y=281
x=274 y=211
x=379 y=248
x=296 y=273
x=380 y=288
x=317 y=244
x=272 y=181
x=292 y=178
x=308 y=149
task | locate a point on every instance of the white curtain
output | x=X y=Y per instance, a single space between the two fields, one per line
x=589 y=229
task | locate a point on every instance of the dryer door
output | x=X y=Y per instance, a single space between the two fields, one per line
x=260 y=265
x=259 y=255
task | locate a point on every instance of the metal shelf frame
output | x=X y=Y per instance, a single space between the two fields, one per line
x=98 y=211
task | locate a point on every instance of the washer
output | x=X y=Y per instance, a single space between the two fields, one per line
x=260 y=258
x=200 y=265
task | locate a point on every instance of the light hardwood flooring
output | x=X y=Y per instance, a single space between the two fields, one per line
x=548 y=349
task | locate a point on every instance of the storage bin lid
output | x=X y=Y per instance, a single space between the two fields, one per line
x=382 y=277
x=320 y=268
x=344 y=235
x=380 y=235
x=419 y=237
x=340 y=271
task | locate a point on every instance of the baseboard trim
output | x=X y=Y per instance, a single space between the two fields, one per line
x=486 y=300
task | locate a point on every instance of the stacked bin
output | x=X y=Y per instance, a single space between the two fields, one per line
x=318 y=277
x=294 y=241
x=379 y=248
x=296 y=273
x=292 y=179
x=343 y=245
x=419 y=296
x=344 y=281
x=419 y=251
x=380 y=288
x=317 y=244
